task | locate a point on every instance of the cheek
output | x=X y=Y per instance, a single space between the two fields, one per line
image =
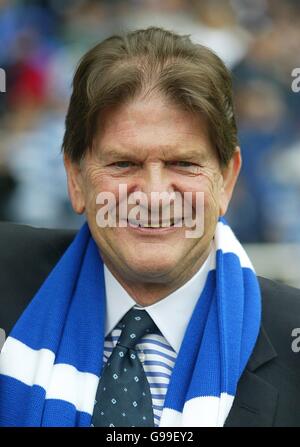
x=95 y=178
x=205 y=191
x=98 y=182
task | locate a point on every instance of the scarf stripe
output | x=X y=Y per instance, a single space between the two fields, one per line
x=51 y=362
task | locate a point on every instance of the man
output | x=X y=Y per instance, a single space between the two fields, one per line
x=175 y=324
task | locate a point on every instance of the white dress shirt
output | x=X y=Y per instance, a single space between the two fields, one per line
x=171 y=315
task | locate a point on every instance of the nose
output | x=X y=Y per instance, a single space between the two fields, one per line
x=155 y=179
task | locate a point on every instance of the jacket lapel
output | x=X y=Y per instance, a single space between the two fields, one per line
x=256 y=400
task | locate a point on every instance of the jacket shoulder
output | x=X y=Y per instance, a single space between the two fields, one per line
x=281 y=319
x=27 y=255
x=280 y=304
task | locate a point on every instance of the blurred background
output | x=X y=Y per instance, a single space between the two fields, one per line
x=259 y=40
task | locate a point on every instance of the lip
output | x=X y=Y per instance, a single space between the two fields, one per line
x=152 y=231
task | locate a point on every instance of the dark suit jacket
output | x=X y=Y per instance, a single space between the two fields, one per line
x=268 y=392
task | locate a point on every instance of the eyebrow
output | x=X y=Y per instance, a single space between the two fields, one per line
x=115 y=153
x=182 y=154
x=190 y=154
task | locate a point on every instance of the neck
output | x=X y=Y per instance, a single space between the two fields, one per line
x=147 y=293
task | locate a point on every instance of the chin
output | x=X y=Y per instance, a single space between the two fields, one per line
x=153 y=267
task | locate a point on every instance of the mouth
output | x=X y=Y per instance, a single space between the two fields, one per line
x=162 y=226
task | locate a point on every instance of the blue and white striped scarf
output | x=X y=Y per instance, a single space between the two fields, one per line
x=51 y=362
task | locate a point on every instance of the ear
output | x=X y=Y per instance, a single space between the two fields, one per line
x=230 y=175
x=75 y=185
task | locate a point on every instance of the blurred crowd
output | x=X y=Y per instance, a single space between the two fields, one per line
x=41 y=43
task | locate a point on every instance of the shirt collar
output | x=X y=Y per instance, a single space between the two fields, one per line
x=171 y=314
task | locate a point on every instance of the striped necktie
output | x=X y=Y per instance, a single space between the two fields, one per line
x=123 y=397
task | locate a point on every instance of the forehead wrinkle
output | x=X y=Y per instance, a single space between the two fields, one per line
x=167 y=151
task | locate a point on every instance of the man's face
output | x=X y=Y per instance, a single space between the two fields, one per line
x=151 y=145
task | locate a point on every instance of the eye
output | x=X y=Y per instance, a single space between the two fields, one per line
x=123 y=164
x=186 y=166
